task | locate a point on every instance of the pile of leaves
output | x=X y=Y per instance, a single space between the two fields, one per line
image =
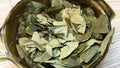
x=62 y=35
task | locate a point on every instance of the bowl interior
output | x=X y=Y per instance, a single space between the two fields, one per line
x=11 y=24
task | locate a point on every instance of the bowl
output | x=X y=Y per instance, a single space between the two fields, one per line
x=10 y=26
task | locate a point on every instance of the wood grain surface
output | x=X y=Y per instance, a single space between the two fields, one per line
x=111 y=60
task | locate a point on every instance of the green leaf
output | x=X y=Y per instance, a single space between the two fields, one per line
x=54 y=10
x=100 y=25
x=23 y=40
x=81 y=48
x=29 y=50
x=105 y=42
x=59 y=23
x=71 y=63
x=54 y=43
x=44 y=57
x=69 y=37
x=56 y=52
x=33 y=27
x=38 y=65
x=28 y=30
x=84 y=37
x=21 y=28
x=36 y=37
x=20 y=51
x=71 y=26
x=67 y=4
x=74 y=15
x=56 y=6
x=49 y=50
x=55 y=3
x=94 y=60
x=68 y=49
x=29 y=44
x=43 y=20
x=62 y=29
x=58 y=16
x=37 y=40
x=33 y=4
x=29 y=19
x=55 y=61
x=57 y=66
x=88 y=11
x=91 y=42
x=43 y=41
x=89 y=54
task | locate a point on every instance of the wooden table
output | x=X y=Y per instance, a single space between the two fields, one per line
x=111 y=60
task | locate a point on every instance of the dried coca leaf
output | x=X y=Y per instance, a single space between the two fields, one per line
x=36 y=37
x=71 y=63
x=88 y=11
x=49 y=50
x=29 y=50
x=56 y=6
x=57 y=66
x=84 y=37
x=95 y=59
x=81 y=48
x=23 y=40
x=60 y=30
x=28 y=30
x=42 y=19
x=71 y=26
x=105 y=42
x=100 y=25
x=56 y=52
x=74 y=15
x=34 y=4
x=91 y=42
x=57 y=3
x=21 y=53
x=67 y=4
x=55 y=43
x=68 y=49
x=89 y=54
x=44 y=57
